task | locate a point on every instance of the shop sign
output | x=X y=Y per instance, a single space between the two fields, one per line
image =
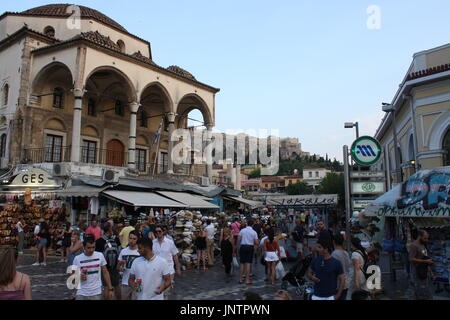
x=369 y=187
x=34 y=178
x=361 y=203
x=367 y=174
x=425 y=194
x=304 y=200
x=366 y=151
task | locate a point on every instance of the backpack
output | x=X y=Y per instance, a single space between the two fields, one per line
x=365 y=265
x=111 y=252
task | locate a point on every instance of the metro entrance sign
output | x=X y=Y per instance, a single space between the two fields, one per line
x=366 y=151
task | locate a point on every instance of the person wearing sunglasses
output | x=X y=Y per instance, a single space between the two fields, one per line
x=166 y=249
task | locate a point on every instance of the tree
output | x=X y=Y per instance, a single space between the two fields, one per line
x=255 y=174
x=298 y=188
x=334 y=183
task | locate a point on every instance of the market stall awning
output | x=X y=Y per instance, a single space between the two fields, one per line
x=191 y=201
x=424 y=195
x=434 y=223
x=142 y=199
x=247 y=202
x=80 y=191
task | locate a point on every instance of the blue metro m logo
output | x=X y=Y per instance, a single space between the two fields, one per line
x=366 y=151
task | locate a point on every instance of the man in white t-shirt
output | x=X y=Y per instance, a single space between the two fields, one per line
x=166 y=249
x=149 y=274
x=210 y=231
x=21 y=235
x=91 y=265
x=126 y=258
x=248 y=238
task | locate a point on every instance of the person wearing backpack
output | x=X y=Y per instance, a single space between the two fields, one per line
x=109 y=245
x=421 y=262
x=298 y=236
x=357 y=277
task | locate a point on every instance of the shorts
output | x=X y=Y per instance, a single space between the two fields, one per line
x=322 y=298
x=114 y=276
x=299 y=246
x=97 y=297
x=246 y=253
x=271 y=256
x=42 y=242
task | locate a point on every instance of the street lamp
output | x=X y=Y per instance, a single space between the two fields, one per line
x=389 y=108
x=349 y=125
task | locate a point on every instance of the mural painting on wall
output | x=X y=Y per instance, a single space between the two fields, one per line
x=425 y=194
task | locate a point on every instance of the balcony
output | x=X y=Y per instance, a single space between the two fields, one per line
x=50 y=155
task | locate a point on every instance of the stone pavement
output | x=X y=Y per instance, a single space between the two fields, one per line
x=49 y=283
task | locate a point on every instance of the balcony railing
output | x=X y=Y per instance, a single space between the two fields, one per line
x=49 y=154
x=103 y=156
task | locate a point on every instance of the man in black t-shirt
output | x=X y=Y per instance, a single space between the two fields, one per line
x=109 y=245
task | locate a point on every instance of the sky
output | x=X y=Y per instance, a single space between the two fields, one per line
x=303 y=68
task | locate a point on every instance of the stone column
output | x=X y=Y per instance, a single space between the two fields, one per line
x=171 y=119
x=76 y=130
x=209 y=172
x=134 y=107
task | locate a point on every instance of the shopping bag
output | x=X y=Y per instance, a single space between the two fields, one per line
x=282 y=253
x=279 y=269
x=235 y=263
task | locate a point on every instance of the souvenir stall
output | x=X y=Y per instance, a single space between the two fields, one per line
x=421 y=202
x=30 y=195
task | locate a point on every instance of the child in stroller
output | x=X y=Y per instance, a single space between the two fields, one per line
x=296 y=277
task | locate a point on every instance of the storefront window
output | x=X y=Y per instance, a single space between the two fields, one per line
x=53 y=148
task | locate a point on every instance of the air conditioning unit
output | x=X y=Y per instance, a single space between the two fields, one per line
x=62 y=170
x=205 y=182
x=110 y=176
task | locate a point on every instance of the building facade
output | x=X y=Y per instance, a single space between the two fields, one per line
x=312 y=176
x=421 y=120
x=90 y=95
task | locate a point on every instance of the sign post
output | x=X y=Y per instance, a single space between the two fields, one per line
x=348 y=212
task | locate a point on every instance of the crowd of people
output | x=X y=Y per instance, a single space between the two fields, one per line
x=140 y=262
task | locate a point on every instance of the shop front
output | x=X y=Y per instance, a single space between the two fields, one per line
x=422 y=202
x=29 y=196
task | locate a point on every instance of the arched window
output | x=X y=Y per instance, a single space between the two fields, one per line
x=3 y=145
x=5 y=94
x=92 y=108
x=143 y=119
x=411 y=153
x=119 y=108
x=121 y=45
x=49 y=31
x=58 y=98
x=446 y=147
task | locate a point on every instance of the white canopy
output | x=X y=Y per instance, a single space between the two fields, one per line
x=190 y=201
x=143 y=199
x=250 y=203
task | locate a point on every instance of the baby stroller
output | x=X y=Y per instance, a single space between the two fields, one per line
x=296 y=277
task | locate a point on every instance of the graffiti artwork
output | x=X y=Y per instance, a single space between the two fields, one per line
x=425 y=194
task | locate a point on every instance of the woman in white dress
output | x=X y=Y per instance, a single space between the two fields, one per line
x=272 y=249
x=357 y=279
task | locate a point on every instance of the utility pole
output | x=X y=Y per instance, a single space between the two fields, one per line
x=348 y=213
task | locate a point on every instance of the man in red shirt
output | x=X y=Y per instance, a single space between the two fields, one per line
x=95 y=230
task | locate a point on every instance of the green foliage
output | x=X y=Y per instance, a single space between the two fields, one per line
x=287 y=166
x=334 y=183
x=299 y=188
x=255 y=174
